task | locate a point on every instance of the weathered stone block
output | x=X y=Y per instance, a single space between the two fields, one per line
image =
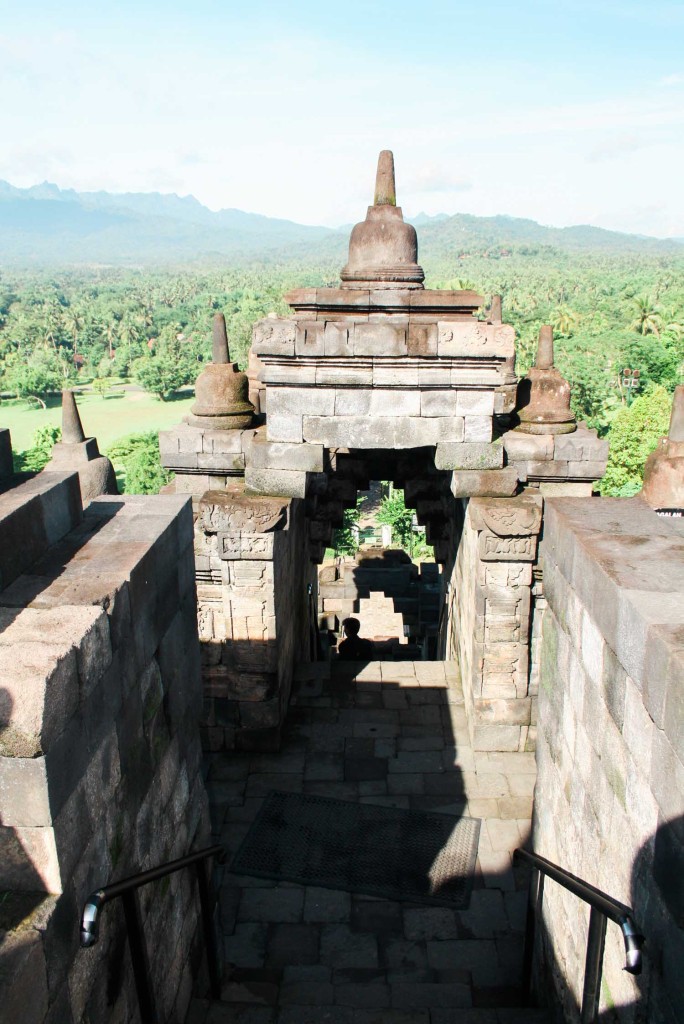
x=309 y=338
x=276 y=481
x=474 y=338
x=484 y=483
x=6 y=464
x=301 y=401
x=284 y=427
x=336 y=340
x=422 y=339
x=283 y=455
x=521 y=447
x=361 y=432
x=586 y=470
x=475 y=403
x=345 y=376
x=274 y=336
x=438 y=403
x=469 y=455
x=394 y=403
x=379 y=339
x=478 y=428
x=582 y=445
x=352 y=401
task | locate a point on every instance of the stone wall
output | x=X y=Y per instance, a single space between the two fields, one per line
x=100 y=766
x=255 y=612
x=488 y=618
x=609 y=802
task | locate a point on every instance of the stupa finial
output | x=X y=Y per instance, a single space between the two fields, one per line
x=220 y=353
x=72 y=428
x=544 y=359
x=385 y=188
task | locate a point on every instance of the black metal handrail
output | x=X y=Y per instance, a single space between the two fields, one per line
x=603 y=908
x=127 y=889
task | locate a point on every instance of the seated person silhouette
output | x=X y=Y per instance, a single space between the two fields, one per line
x=354 y=648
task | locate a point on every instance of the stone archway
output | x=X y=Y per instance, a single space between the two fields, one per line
x=380 y=376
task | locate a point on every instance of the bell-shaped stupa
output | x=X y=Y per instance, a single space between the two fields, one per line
x=81 y=454
x=664 y=470
x=221 y=390
x=543 y=405
x=383 y=249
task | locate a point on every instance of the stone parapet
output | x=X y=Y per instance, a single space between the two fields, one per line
x=6 y=462
x=34 y=516
x=100 y=755
x=189 y=449
x=578 y=457
x=610 y=753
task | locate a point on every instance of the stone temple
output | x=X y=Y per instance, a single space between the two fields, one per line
x=136 y=631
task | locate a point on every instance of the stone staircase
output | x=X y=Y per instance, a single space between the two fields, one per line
x=394 y=734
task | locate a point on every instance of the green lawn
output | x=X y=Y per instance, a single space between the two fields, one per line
x=109 y=418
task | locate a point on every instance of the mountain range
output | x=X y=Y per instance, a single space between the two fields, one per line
x=45 y=225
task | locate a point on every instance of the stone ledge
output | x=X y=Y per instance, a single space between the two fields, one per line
x=626 y=565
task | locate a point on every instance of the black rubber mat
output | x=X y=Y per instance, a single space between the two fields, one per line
x=419 y=856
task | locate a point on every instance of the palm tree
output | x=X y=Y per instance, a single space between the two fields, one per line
x=647 y=320
x=565 y=320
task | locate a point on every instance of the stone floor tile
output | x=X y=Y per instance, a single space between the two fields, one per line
x=385 y=747
x=326 y=905
x=316 y=1015
x=263 y=783
x=477 y=956
x=307 y=993
x=486 y=916
x=455 y=1016
x=521 y=784
x=323 y=768
x=366 y=769
x=381 y=917
x=277 y=763
x=377 y=787
x=519 y=807
x=396 y=700
x=292 y=944
x=516 y=909
x=368 y=996
x=377 y=730
x=389 y=1016
x=482 y=807
x=197 y=1011
x=334 y=790
x=341 y=947
x=229 y=768
x=229 y=901
x=359 y=748
x=305 y=972
x=417 y=995
x=503 y=835
x=271 y=905
x=419 y=743
x=226 y=1013
x=405 y=783
x=259 y=993
x=247 y=946
x=416 y=761
x=369 y=699
x=428 y=923
x=398 y=800
x=403 y=955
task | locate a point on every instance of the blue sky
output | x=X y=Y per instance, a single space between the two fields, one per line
x=566 y=111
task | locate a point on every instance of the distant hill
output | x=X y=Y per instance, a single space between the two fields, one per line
x=46 y=225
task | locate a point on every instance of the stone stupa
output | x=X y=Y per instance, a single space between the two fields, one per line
x=221 y=390
x=81 y=454
x=664 y=471
x=383 y=249
x=543 y=405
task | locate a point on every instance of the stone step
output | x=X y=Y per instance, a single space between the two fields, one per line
x=205 y=1011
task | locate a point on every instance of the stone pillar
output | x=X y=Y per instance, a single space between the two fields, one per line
x=490 y=601
x=248 y=557
x=6 y=463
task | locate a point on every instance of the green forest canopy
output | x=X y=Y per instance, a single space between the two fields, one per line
x=609 y=311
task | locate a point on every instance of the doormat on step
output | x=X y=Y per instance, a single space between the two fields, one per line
x=420 y=856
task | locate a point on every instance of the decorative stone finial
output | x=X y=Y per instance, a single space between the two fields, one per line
x=81 y=454
x=544 y=395
x=496 y=310
x=220 y=352
x=72 y=428
x=385 y=188
x=664 y=470
x=383 y=250
x=221 y=391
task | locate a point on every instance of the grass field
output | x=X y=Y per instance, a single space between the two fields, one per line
x=109 y=418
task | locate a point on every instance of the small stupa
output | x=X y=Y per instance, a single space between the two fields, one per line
x=81 y=454
x=544 y=395
x=383 y=249
x=221 y=390
x=664 y=471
